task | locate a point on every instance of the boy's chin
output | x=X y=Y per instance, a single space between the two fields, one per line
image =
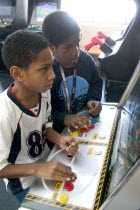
x=44 y=91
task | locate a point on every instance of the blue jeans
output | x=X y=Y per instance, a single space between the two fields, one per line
x=20 y=196
x=14 y=186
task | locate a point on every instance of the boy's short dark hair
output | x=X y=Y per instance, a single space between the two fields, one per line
x=58 y=27
x=22 y=47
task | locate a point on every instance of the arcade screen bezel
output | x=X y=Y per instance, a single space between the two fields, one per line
x=53 y=5
x=129 y=103
x=8 y=9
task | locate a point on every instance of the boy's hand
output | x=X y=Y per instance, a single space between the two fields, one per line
x=75 y=120
x=54 y=170
x=94 y=107
x=70 y=144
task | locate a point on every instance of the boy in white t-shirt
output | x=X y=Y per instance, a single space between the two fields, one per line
x=25 y=120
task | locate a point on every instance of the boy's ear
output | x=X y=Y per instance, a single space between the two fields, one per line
x=16 y=73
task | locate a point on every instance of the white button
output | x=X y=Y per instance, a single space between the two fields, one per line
x=97 y=152
x=121 y=161
x=123 y=145
x=102 y=137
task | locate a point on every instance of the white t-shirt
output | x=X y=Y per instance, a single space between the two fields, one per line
x=23 y=132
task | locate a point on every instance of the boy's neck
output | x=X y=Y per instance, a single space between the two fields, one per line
x=66 y=66
x=28 y=99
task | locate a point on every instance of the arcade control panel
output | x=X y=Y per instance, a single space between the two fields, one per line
x=90 y=164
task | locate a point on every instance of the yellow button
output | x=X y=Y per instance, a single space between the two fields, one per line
x=127 y=149
x=125 y=166
x=58 y=186
x=95 y=136
x=63 y=198
x=75 y=133
x=90 y=151
x=54 y=196
x=69 y=134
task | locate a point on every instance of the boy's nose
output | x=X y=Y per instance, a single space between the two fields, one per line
x=51 y=75
x=76 y=50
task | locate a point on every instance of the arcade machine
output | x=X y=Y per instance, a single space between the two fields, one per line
x=12 y=17
x=107 y=163
x=41 y=9
x=118 y=65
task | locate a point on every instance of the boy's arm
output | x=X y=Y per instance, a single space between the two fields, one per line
x=53 y=170
x=16 y=171
x=68 y=143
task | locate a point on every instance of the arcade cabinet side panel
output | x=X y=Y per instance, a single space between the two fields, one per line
x=102 y=184
x=126 y=151
x=127 y=194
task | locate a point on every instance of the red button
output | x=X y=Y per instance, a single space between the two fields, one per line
x=83 y=130
x=69 y=186
x=91 y=126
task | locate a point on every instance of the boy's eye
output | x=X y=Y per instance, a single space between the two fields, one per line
x=67 y=48
x=43 y=70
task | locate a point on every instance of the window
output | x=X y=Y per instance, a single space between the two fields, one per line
x=100 y=11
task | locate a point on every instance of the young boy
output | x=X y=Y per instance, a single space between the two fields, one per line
x=25 y=110
x=77 y=83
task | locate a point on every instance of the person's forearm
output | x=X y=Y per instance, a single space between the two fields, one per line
x=20 y=170
x=52 y=170
x=53 y=136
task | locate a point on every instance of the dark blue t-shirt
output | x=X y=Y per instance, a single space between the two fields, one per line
x=88 y=87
